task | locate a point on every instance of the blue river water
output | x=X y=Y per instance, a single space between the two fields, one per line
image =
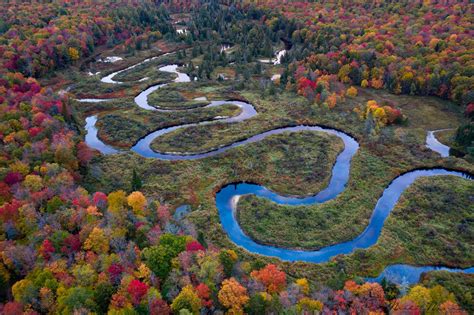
x=227 y=198
x=401 y=273
x=434 y=144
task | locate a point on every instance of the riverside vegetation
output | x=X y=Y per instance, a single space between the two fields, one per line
x=84 y=232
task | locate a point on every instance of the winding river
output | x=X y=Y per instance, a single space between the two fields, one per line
x=434 y=144
x=406 y=274
x=228 y=197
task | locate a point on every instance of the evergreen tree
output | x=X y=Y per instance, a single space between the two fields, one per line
x=136 y=181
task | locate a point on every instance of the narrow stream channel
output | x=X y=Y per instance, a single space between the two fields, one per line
x=433 y=144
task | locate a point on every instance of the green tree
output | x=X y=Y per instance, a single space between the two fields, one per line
x=54 y=204
x=256 y=305
x=158 y=258
x=465 y=138
x=24 y=291
x=43 y=278
x=102 y=296
x=391 y=290
x=228 y=259
x=136 y=182
x=85 y=275
x=76 y=298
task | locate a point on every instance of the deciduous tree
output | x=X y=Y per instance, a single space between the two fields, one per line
x=137 y=201
x=273 y=278
x=137 y=290
x=187 y=299
x=233 y=295
x=97 y=241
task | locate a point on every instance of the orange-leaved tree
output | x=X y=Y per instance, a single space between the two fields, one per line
x=273 y=278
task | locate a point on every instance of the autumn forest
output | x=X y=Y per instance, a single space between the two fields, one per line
x=236 y=157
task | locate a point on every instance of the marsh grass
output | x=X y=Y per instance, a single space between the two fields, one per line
x=423 y=229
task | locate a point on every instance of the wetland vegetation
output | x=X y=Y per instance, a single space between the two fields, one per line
x=85 y=232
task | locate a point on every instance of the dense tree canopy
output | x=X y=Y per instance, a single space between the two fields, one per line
x=36 y=38
x=67 y=250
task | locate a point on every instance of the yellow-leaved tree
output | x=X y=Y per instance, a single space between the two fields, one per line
x=97 y=241
x=309 y=306
x=137 y=201
x=351 y=92
x=303 y=284
x=233 y=296
x=73 y=53
x=187 y=299
x=117 y=201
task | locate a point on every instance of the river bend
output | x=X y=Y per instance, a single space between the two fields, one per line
x=228 y=196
